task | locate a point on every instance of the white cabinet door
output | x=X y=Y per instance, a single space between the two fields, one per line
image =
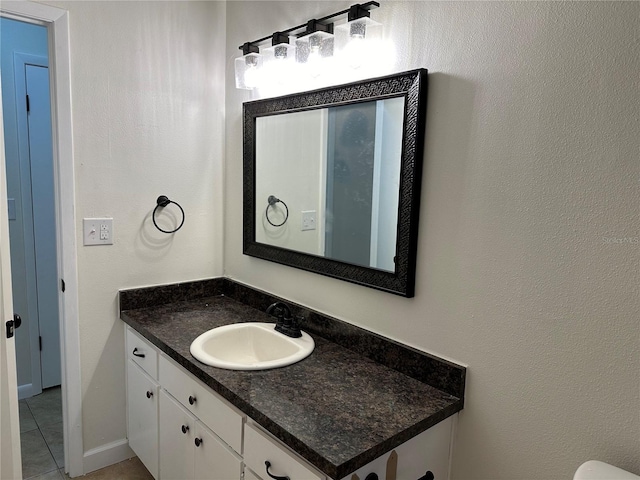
x=177 y=433
x=189 y=450
x=213 y=460
x=142 y=418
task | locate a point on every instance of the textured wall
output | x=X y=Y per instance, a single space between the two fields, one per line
x=148 y=119
x=529 y=251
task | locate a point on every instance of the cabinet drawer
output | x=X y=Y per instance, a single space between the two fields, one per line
x=142 y=352
x=211 y=409
x=260 y=447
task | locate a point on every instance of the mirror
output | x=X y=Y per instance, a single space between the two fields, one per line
x=332 y=180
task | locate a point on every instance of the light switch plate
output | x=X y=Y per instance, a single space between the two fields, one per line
x=97 y=231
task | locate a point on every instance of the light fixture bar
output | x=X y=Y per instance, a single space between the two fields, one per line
x=357 y=11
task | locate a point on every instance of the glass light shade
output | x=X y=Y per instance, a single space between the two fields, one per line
x=358 y=41
x=314 y=52
x=279 y=67
x=248 y=71
x=283 y=52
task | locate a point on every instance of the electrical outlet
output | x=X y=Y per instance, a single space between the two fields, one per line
x=97 y=231
x=308 y=220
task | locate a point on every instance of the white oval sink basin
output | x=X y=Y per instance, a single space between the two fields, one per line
x=250 y=346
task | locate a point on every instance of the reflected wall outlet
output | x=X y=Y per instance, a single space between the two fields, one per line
x=97 y=231
x=308 y=220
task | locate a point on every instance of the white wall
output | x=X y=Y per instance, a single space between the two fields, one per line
x=529 y=252
x=147 y=83
x=295 y=145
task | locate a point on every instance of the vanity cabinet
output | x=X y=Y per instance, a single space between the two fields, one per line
x=189 y=450
x=181 y=429
x=142 y=400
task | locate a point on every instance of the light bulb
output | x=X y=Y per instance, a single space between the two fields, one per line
x=251 y=76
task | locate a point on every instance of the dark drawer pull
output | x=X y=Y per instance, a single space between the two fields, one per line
x=192 y=399
x=275 y=477
x=185 y=428
x=141 y=355
x=198 y=442
x=427 y=476
x=149 y=394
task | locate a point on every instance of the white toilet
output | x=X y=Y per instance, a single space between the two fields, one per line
x=594 y=470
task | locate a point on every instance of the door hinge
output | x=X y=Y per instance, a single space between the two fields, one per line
x=28 y=105
x=13 y=324
x=62 y=285
x=40 y=342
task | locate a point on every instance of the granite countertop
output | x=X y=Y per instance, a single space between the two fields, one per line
x=337 y=409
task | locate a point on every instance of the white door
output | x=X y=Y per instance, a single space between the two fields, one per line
x=10 y=464
x=44 y=222
x=177 y=435
x=213 y=460
x=142 y=419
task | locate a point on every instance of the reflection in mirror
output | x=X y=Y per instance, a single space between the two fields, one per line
x=339 y=170
x=332 y=180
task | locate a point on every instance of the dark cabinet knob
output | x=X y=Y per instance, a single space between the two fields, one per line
x=192 y=399
x=267 y=464
x=135 y=350
x=185 y=428
x=149 y=394
x=198 y=442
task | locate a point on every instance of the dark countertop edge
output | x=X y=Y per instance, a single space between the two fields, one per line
x=318 y=461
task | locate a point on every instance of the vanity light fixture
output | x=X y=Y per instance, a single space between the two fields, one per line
x=358 y=37
x=248 y=67
x=312 y=52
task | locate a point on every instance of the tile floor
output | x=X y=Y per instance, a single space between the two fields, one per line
x=43 y=448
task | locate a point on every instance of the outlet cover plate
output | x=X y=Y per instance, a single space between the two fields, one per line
x=97 y=231
x=308 y=220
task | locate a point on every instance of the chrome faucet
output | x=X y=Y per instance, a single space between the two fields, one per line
x=285 y=323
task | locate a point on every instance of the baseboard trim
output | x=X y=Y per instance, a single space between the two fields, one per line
x=106 y=455
x=25 y=391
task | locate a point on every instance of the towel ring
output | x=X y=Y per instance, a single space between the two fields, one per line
x=272 y=201
x=163 y=201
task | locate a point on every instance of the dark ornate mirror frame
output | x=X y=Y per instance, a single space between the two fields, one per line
x=412 y=86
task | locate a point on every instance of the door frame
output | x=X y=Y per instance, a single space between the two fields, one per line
x=57 y=22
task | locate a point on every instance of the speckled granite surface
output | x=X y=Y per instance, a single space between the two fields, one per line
x=337 y=408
